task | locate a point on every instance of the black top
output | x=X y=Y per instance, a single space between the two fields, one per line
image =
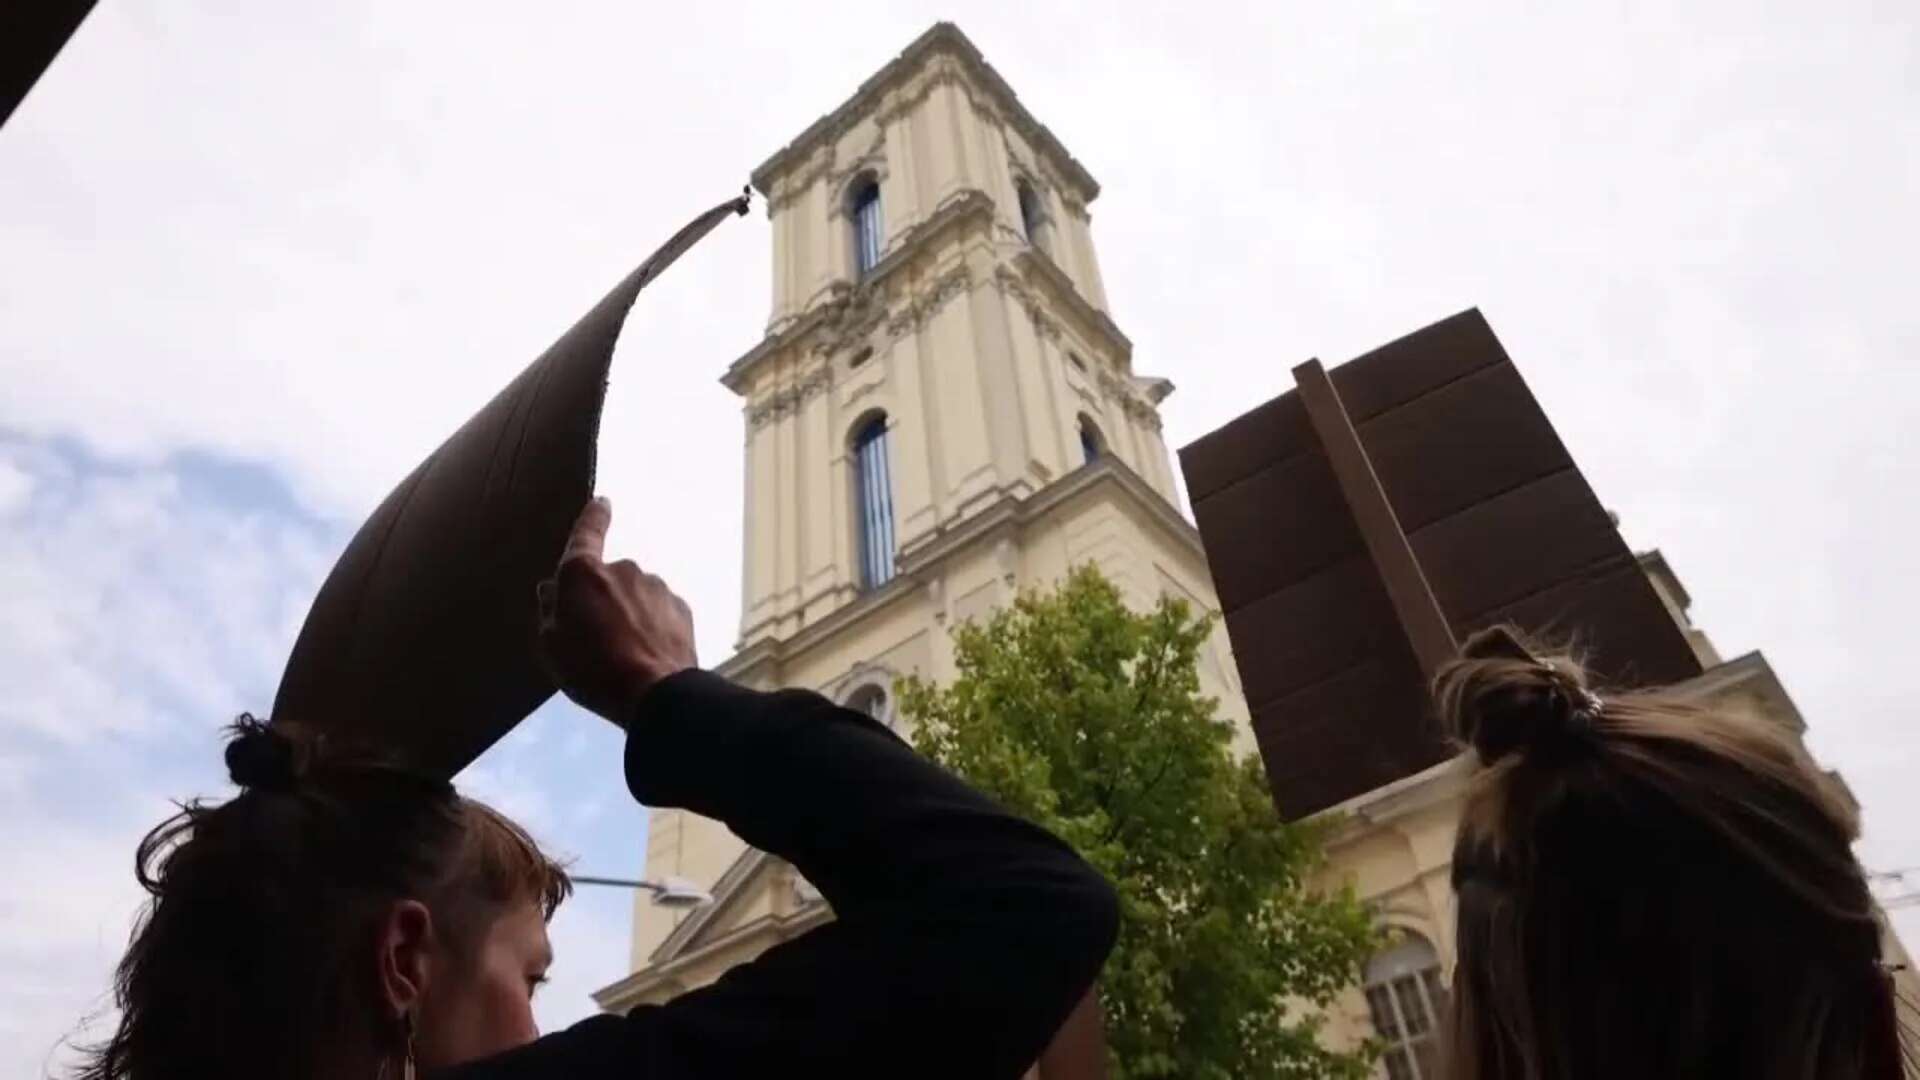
x=963 y=935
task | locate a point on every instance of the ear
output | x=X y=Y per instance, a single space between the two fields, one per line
x=405 y=960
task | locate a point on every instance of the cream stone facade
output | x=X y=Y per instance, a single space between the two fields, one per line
x=968 y=317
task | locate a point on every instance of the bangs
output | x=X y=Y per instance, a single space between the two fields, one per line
x=508 y=865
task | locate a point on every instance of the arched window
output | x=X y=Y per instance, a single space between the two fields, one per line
x=1408 y=1005
x=873 y=503
x=1091 y=443
x=1032 y=218
x=869 y=698
x=863 y=209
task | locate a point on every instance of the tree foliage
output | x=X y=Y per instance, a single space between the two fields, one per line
x=1087 y=717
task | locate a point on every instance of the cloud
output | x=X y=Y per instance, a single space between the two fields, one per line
x=143 y=611
x=16 y=487
x=119 y=578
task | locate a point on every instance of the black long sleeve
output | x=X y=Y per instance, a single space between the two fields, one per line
x=963 y=935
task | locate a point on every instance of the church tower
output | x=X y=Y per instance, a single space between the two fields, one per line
x=942 y=411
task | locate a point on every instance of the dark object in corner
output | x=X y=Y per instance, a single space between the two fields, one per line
x=32 y=33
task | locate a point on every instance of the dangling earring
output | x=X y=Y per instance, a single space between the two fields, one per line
x=406 y=1025
x=406 y=1063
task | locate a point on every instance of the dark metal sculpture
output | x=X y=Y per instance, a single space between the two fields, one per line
x=422 y=637
x=1360 y=525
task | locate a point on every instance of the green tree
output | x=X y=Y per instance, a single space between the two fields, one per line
x=1087 y=717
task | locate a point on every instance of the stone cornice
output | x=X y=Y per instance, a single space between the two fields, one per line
x=766 y=931
x=943 y=38
x=1035 y=267
x=774 y=650
x=858 y=307
x=725 y=891
x=1747 y=674
x=1395 y=800
x=1007 y=514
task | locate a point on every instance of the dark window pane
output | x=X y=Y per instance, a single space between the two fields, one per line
x=1436 y=993
x=865 y=212
x=1413 y=1008
x=1030 y=213
x=1381 y=1007
x=874 y=495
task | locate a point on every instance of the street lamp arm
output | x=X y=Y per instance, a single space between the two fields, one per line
x=624 y=883
x=672 y=892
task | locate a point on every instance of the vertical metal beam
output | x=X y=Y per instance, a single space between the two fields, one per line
x=1413 y=602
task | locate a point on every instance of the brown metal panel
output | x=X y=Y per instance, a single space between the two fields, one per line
x=1329 y=742
x=1501 y=525
x=1272 y=432
x=1313 y=629
x=1474 y=565
x=1606 y=614
x=421 y=640
x=1464 y=442
x=1419 y=617
x=1417 y=364
x=1281 y=523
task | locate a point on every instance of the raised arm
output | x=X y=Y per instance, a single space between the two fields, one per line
x=963 y=935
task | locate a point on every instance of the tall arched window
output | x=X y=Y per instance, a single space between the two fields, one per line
x=1091 y=444
x=1408 y=1005
x=873 y=503
x=863 y=209
x=1032 y=219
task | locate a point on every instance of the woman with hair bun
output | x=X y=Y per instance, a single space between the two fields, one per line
x=343 y=919
x=1648 y=887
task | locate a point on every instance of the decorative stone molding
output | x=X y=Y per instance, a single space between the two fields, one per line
x=925 y=306
x=1009 y=283
x=959 y=209
x=943 y=54
x=1044 y=276
x=1006 y=559
x=1120 y=391
x=863 y=675
x=1038 y=178
x=870 y=386
x=789 y=398
x=873 y=161
x=849 y=320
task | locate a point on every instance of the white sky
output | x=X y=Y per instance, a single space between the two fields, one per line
x=255 y=260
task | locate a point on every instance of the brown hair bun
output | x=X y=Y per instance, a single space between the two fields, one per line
x=261 y=757
x=1502 y=698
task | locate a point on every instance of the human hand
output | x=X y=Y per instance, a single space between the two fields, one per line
x=609 y=631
